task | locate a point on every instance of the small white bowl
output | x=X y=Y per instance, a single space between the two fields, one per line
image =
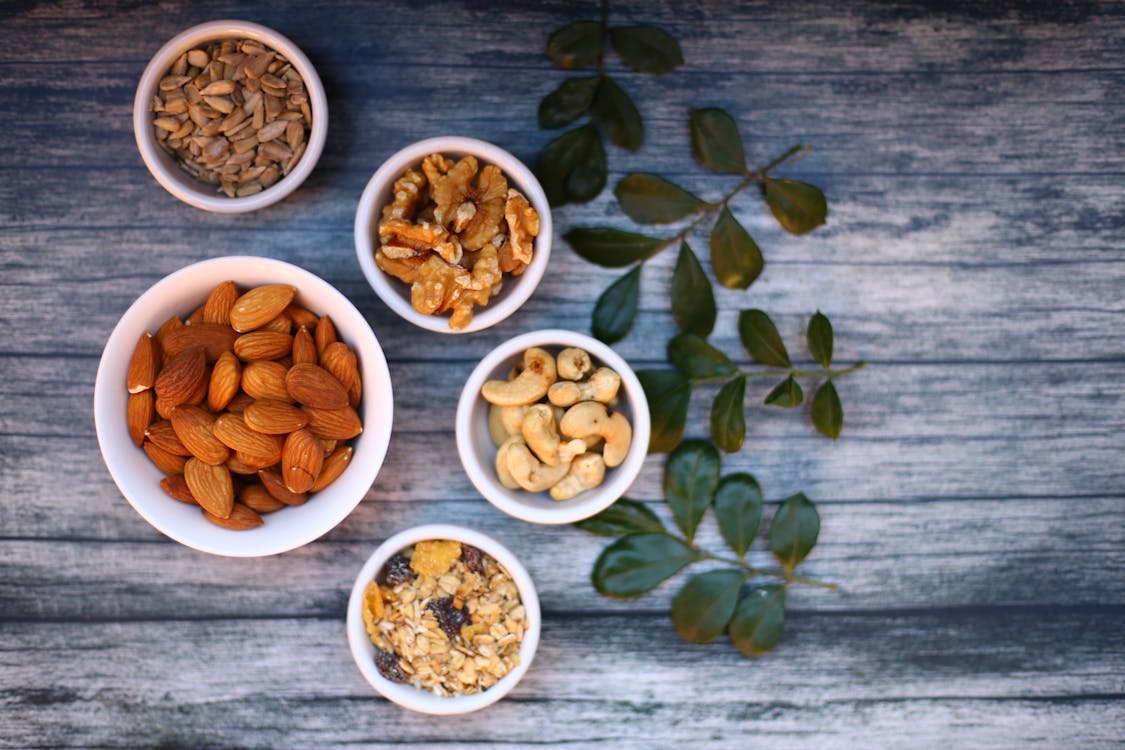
x=395 y=293
x=478 y=453
x=163 y=166
x=407 y=696
x=137 y=477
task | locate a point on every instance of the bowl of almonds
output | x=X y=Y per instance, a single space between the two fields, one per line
x=230 y=116
x=243 y=406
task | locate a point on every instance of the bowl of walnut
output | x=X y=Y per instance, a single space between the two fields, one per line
x=453 y=234
x=243 y=406
x=552 y=426
x=230 y=116
x=443 y=619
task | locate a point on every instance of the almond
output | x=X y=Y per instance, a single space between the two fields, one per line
x=162 y=434
x=173 y=323
x=259 y=461
x=217 y=307
x=194 y=427
x=334 y=466
x=211 y=486
x=339 y=359
x=226 y=378
x=262 y=345
x=139 y=412
x=304 y=347
x=260 y=305
x=176 y=487
x=196 y=316
x=240 y=518
x=265 y=379
x=169 y=463
x=281 y=324
x=274 y=417
x=302 y=317
x=355 y=392
x=232 y=432
x=301 y=460
x=240 y=401
x=181 y=377
x=334 y=424
x=324 y=334
x=213 y=337
x=275 y=485
x=238 y=466
x=143 y=364
x=255 y=497
x=312 y=385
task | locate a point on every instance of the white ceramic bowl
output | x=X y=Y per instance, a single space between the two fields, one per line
x=478 y=452
x=395 y=293
x=363 y=651
x=137 y=477
x=163 y=166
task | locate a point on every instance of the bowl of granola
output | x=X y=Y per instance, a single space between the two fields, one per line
x=453 y=234
x=443 y=619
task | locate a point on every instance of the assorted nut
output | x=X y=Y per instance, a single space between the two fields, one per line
x=234 y=114
x=245 y=405
x=451 y=231
x=552 y=423
x=444 y=617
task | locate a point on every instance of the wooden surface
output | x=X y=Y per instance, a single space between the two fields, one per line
x=974 y=157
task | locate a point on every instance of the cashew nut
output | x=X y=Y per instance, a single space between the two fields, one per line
x=602 y=386
x=528 y=472
x=542 y=436
x=586 y=472
x=526 y=388
x=592 y=418
x=574 y=363
x=496 y=429
x=502 y=472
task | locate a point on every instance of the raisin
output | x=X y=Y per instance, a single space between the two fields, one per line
x=387 y=664
x=396 y=570
x=449 y=618
x=473 y=558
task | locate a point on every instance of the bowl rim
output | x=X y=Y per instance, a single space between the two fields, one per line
x=618 y=479
x=390 y=290
x=164 y=169
x=362 y=649
x=118 y=451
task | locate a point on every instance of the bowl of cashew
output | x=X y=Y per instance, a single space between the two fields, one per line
x=552 y=426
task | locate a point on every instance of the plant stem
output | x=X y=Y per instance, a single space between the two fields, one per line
x=794 y=372
x=753 y=571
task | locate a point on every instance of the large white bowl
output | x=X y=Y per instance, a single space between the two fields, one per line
x=363 y=651
x=163 y=166
x=137 y=477
x=478 y=452
x=395 y=293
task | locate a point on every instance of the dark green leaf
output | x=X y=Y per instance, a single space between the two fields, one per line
x=696 y=358
x=798 y=206
x=623 y=517
x=647 y=49
x=651 y=199
x=820 y=339
x=612 y=247
x=760 y=337
x=616 y=308
x=618 y=115
x=704 y=606
x=738 y=508
x=827 y=413
x=691 y=475
x=735 y=256
x=728 y=418
x=759 y=619
x=668 y=393
x=794 y=530
x=787 y=394
x=577 y=45
x=715 y=141
x=572 y=167
x=568 y=102
x=638 y=563
x=693 y=302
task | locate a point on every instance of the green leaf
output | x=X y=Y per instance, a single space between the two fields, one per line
x=820 y=339
x=612 y=248
x=668 y=393
x=616 y=308
x=647 y=49
x=691 y=475
x=618 y=115
x=696 y=358
x=827 y=413
x=638 y=563
x=794 y=530
x=728 y=418
x=577 y=45
x=704 y=606
x=623 y=517
x=568 y=102
x=738 y=508
x=735 y=256
x=572 y=167
x=693 y=302
x=760 y=337
x=759 y=619
x=651 y=199
x=715 y=141
x=787 y=394
x=798 y=206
